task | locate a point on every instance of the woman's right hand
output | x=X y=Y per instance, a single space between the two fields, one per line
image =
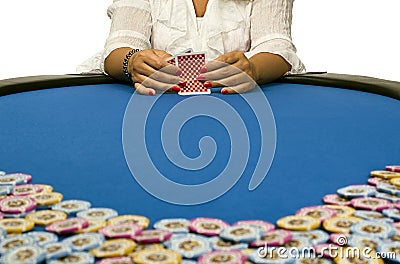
x=150 y=72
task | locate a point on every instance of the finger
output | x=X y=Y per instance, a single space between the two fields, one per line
x=141 y=89
x=159 y=75
x=153 y=83
x=222 y=61
x=221 y=73
x=241 y=88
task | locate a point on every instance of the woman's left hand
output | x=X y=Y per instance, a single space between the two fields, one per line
x=232 y=70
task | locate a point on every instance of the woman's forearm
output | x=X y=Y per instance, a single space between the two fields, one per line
x=269 y=67
x=113 y=63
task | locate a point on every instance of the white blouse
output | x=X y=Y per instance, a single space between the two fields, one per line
x=171 y=25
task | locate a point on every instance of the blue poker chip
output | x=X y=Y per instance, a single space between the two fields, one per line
x=84 y=242
x=12 y=179
x=314 y=236
x=42 y=238
x=71 y=207
x=57 y=250
x=98 y=214
x=242 y=233
x=220 y=244
x=269 y=256
x=20 y=215
x=5 y=189
x=388 y=188
x=389 y=197
x=373 y=229
x=2 y=173
x=3 y=233
x=390 y=250
x=393 y=213
x=358 y=241
x=74 y=258
x=356 y=191
x=26 y=254
x=297 y=245
x=372 y=215
x=308 y=260
x=174 y=225
x=12 y=242
x=190 y=246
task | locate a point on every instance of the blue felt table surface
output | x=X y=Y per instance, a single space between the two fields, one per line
x=71 y=138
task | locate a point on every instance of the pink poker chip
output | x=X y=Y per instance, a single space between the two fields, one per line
x=371 y=203
x=26 y=189
x=319 y=212
x=376 y=180
x=263 y=225
x=207 y=226
x=27 y=178
x=152 y=236
x=222 y=256
x=128 y=230
x=17 y=205
x=335 y=199
x=116 y=260
x=277 y=237
x=395 y=168
x=67 y=226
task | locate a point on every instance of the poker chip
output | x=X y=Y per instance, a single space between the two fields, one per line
x=273 y=238
x=174 y=225
x=386 y=247
x=114 y=248
x=93 y=226
x=220 y=244
x=67 y=226
x=140 y=247
x=388 y=188
x=142 y=221
x=16 y=225
x=26 y=189
x=190 y=246
x=71 y=206
x=373 y=229
x=269 y=256
x=84 y=242
x=339 y=239
x=375 y=181
x=395 y=168
x=126 y=230
x=24 y=254
x=341 y=210
x=340 y=224
x=371 y=215
x=358 y=241
x=74 y=258
x=396 y=236
x=298 y=223
x=314 y=236
x=45 y=217
x=159 y=256
x=57 y=250
x=385 y=174
x=393 y=213
x=367 y=257
x=42 y=238
x=12 y=179
x=2 y=173
x=335 y=199
x=355 y=191
x=12 y=242
x=5 y=189
x=308 y=260
x=116 y=260
x=263 y=225
x=389 y=197
x=317 y=212
x=17 y=204
x=222 y=256
x=3 y=233
x=207 y=226
x=152 y=236
x=97 y=213
x=45 y=188
x=370 y=203
x=241 y=233
x=395 y=182
x=45 y=200
x=300 y=243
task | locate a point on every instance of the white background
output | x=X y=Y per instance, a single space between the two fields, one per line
x=340 y=36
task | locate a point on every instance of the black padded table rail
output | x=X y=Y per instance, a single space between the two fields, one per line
x=353 y=82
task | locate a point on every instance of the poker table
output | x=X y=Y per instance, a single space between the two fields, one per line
x=325 y=131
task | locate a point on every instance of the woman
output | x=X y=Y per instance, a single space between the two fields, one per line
x=253 y=36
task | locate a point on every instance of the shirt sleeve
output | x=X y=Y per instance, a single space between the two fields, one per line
x=130 y=26
x=270 y=24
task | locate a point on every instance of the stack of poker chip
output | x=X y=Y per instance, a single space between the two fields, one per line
x=38 y=226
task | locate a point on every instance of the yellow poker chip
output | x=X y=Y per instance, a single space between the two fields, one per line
x=140 y=247
x=114 y=248
x=46 y=217
x=159 y=256
x=385 y=174
x=142 y=221
x=340 y=224
x=45 y=188
x=395 y=182
x=47 y=198
x=298 y=223
x=93 y=226
x=350 y=255
x=16 y=225
x=341 y=210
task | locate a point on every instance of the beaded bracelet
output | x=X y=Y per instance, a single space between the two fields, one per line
x=125 y=63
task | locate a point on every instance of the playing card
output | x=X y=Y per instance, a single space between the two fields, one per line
x=190 y=65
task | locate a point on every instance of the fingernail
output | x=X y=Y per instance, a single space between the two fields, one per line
x=176 y=88
x=151 y=92
x=203 y=70
x=201 y=78
x=182 y=83
x=178 y=72
x=207 y=84
x=224 y=91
